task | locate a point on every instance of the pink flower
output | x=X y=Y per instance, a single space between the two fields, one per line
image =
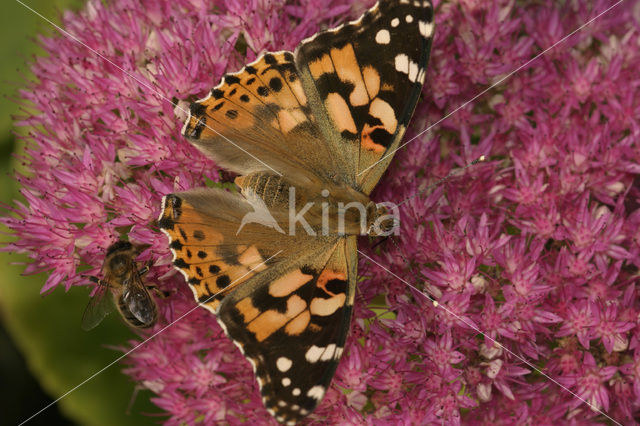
x=589 y=384
x=579 y=322
x=611 y=331
x=443 y=356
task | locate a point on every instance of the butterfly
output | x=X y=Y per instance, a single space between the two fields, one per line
x=310 y=134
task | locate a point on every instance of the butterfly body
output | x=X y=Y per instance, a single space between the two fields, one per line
x=123 y=280
x=330 y=208
x=310 y=132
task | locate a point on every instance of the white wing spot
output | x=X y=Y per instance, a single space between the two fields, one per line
x=338 y=353
x=383 y=37
x=295 y=407
x=402 y=63
x=413 y=71
x=313 y=354
x=421 y=76
x=282 y=404
x=328 y=352
x=296 y=392
x=304 y=412
x=395 y=22
x=426 y=28
x=283 y=364
x=252 y=362
x=286 y=382
x=316 y=392
x=409 y=19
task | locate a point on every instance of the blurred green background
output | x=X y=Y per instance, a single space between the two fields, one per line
x=43 y=351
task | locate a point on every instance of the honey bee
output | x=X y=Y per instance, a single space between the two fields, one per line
x=123 y=280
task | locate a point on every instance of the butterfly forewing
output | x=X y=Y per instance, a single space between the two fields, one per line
x=215 y=251
x=365 y=79
x=256 y=118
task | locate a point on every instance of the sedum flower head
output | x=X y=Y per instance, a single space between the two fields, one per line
x=538 y=247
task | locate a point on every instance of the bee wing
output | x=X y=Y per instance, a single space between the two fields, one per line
x=139 y=301
x=97 y=308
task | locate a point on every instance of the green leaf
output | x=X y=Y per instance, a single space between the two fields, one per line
x=20 y=27
x=47 y=329
x=62 y=356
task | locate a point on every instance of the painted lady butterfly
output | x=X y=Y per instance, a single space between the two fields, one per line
x=318 y=128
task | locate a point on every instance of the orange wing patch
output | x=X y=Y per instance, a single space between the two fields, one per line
x=271 y=321
x=345 y=86
x=378 y=71
x=347 y=68
x=289 y=283
x=340 y=113
x=265 y=92
x=321 y=66
x=247 y=310
x=328 y=275
x=297 y=296
x=211 y=267
x=371 y=81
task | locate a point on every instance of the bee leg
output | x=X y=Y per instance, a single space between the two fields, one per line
x=145 y=268
x=97 y=281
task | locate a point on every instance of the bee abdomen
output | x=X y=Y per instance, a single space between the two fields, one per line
x=150 y=314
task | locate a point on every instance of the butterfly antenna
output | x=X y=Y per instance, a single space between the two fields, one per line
x=444 y=179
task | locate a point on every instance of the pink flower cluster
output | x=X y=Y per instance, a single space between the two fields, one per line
x=538 y=247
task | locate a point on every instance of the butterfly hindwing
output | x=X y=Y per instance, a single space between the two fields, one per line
x=280 y=298
x=364 y=79
x=292 y=327
x=201 y=225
